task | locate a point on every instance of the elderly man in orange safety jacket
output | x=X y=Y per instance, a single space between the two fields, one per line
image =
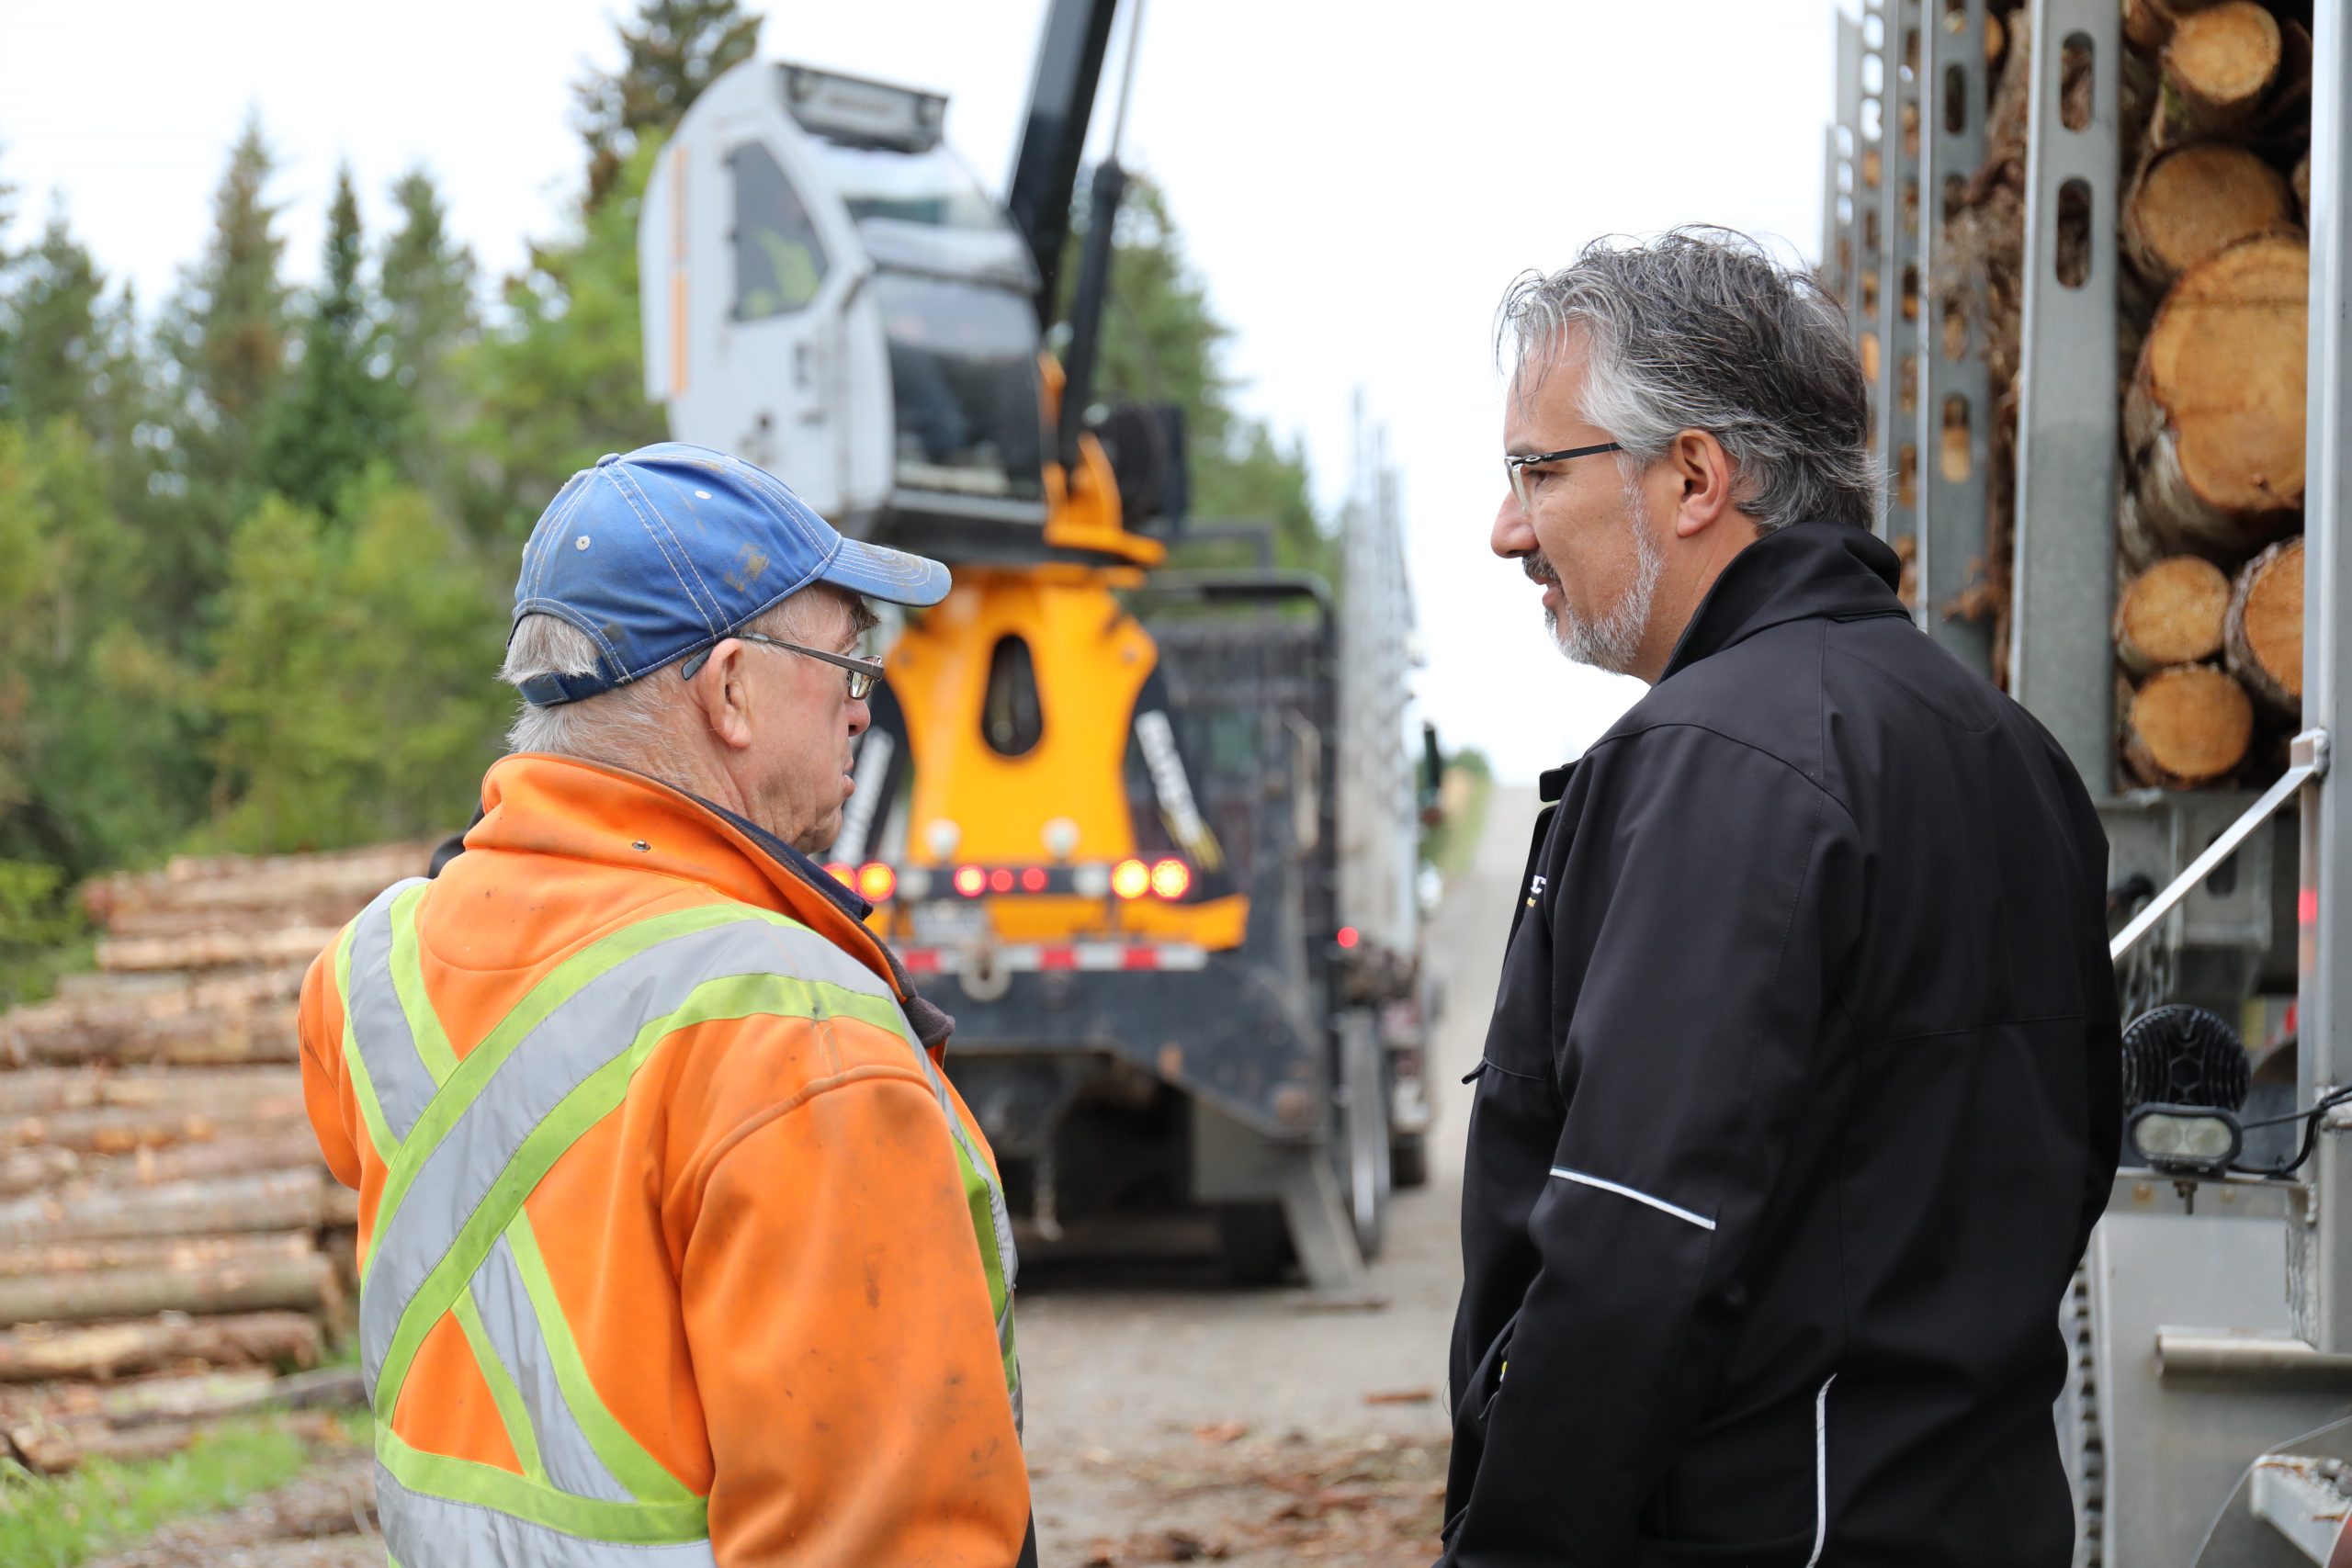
x=676 y=1246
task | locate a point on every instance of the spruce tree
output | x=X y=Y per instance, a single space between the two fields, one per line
x=336 y=418
x=224 y=333
x=675 y=50
x=429 y=316
x=55 y=347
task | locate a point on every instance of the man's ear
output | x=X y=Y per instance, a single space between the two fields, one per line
x=1702 y=472
x=722 y=695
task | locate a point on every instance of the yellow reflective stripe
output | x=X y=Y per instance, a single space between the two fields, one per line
x=487 y=1486
x=466 y=1084
x=596 y=1097
x=645 y=1477
x=363 y=1088
x=408 y=984
x=502 y=1391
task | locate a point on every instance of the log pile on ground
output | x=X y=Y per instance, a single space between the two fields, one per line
x=171 y=1249
x=2213 y=302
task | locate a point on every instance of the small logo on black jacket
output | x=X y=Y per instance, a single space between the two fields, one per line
x=1535 y=886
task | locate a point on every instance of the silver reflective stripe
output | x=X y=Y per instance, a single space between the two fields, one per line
x=403 y=1085
x=425 y=1533
x=999 y=1219
x=1820 y=1472
x=595 y=1025
x=1661 y=1204
x=515 y=1333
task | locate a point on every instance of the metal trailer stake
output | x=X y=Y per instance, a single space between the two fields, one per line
x=1955 y=422
x=1902 y=132
x=2310 y=756
x=2061 y=663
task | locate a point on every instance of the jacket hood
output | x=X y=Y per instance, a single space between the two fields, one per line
x=1803 y=570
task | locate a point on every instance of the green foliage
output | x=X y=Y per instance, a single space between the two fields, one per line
x=339 y=414
x=675 y=50
x=352 y=676
x=1162 y=342
x=61 y=1522
x=224 y=335
x=429 y=318
x=562 y=383
x=41 y=931
x=54 y=340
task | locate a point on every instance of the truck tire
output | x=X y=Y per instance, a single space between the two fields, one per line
x=1253 y=1242
x=1408 y=1160
x=1366 y=1168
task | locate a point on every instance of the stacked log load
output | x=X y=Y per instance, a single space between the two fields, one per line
x=171 y=1248
x=2213 y=304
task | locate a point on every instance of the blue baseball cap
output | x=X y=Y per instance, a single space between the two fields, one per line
x=661 y=552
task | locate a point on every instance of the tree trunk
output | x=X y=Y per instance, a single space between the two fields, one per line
x=2214 y=417
x=120 y=1129
x=2263 y=628
x=153 y=1255
x=215 y=950
x=271 y=1201
x=2189 y=202
x=2171 y=614
x=299 y=1283
x=44 y=1091
x=259 y=881
x=118 y=1350
x=2220 y=65
x=2187 y=726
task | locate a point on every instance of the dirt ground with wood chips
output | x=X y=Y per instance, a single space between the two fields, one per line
x=1170 y=1419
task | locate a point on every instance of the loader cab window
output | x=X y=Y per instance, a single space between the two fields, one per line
x=1011 y=720
x=932 y=188
x=964 y=380
x=778 y=263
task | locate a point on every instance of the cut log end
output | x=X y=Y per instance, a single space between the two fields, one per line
x=2263 y=627
x=2214 y=417
x=2193 y=201
x=2171 y=614
x=2221 y=62
x=2187 y=726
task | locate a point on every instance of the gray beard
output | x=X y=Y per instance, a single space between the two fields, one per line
x=1614 y=640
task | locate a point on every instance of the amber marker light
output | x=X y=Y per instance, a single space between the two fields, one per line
x=844 y=874
x=971 y=881
x=1171 y=879
x=1131 y=879
x=877 y=882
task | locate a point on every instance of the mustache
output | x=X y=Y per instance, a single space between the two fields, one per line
x=1539 y=569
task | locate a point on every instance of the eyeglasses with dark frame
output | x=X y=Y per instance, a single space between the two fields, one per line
x=1515 y=467
x=863 y=671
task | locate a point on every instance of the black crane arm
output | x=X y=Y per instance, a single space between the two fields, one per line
x=1053 y=139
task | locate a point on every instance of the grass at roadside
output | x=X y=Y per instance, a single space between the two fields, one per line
x=1464 y=792
x=56 y=1522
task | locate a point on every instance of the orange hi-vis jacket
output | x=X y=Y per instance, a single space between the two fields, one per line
x=675 y=1248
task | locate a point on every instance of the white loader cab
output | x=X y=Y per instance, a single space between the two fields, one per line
x=829 y=292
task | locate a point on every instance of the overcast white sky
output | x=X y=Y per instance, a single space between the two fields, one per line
x=1357 y=184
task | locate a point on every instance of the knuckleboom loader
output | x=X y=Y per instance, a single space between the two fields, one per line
x=1151 y=835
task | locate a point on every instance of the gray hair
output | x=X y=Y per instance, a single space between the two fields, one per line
x=1702 y=329
x=632 y=726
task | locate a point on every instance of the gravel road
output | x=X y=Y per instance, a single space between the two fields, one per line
x=1173 y=1419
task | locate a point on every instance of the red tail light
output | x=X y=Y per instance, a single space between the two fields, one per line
x=1348 y=936
x=1033 y=880
x=1000 y=881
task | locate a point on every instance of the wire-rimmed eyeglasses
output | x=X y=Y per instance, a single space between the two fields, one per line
x=1515 y=467
x=863 y=671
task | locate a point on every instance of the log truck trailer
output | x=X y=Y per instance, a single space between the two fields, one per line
x=2208 y=1414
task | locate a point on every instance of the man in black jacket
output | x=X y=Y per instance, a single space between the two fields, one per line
x=1800 y=1097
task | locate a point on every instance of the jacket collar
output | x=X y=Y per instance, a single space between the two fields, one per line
x=586 y=811
x=1804 y=571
